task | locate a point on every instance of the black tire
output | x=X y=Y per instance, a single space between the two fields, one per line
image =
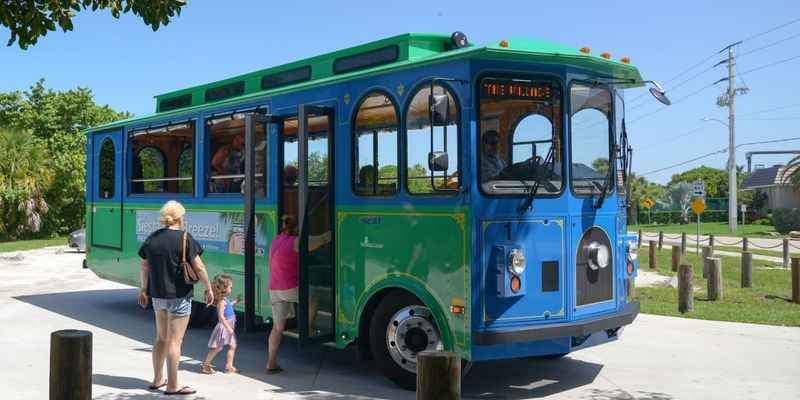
x=202 y=316
x=85 y=264
x=377 y=338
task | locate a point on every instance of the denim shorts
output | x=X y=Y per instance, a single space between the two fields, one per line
x=180 y=307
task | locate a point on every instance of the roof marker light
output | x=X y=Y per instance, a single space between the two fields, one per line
x=625 y=60
x=504 y=43
x=606 y=55
x=586 y=50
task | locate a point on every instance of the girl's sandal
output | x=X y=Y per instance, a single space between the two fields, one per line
x=206 y=369
x=231 y=370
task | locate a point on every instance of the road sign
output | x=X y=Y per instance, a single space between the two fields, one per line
x=698 y=189
x=698 y=206
x=648 y=203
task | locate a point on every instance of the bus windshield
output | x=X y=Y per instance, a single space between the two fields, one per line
x=520 y=136
x=590 y=134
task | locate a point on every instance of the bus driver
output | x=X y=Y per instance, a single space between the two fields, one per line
x=491 y=163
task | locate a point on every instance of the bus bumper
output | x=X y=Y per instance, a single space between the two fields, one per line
x=579 y=331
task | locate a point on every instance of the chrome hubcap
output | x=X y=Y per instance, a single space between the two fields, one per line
x=410 y=331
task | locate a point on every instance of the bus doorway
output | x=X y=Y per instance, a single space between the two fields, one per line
x=307 y=193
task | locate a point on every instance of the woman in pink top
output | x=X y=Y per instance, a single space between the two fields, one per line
x=284 y=266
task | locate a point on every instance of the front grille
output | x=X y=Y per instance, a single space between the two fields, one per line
x=593 y=285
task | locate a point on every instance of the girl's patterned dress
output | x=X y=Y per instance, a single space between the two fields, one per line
x=220 y=337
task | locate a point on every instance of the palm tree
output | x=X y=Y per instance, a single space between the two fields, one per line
x=791 y=172
x=24 y=178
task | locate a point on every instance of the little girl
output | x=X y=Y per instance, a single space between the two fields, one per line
x=223 y=333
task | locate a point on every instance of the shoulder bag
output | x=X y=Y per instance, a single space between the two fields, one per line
x=189 y=274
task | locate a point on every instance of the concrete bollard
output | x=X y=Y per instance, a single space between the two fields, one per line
x=745 y=244
x=715 y=279
x=653 y=259
x=676 y=258
x=704 y=259
x=438 y=375
x=660 y=240
x=747 y=269
x=70 y=365
x=796 y=280
x=685 y=289
x=683 y=243
x=785 y=253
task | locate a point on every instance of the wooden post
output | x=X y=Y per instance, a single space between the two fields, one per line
x=631 y=288
x=676 y=258
x=641 y=238
x=785 y=253
x=704 y=258
x=796 y=280
x=714 y=278
x=747 y=269
x=711 y=242
x=685 y=289
x=438 y=375
x=745 y=244
x=683 y=243
x=70 y=365
x=653 y=260
x=660 y=240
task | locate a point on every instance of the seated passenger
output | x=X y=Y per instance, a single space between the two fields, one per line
x=228 y=160
x=491 y=163
x=366 y=178
x=290 y=176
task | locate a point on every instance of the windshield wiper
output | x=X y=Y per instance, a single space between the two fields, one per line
x=531 y=190
x=609 y=177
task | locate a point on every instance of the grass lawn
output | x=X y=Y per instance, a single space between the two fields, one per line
x=20 y=245
x=716 y=228
x=767 y=302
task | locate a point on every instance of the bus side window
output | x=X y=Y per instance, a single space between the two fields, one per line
x=163 y=159
x=107 y=161
x=418 y=144
x=227 y=154
x=375 y=143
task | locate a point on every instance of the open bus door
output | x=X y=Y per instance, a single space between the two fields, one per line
x=315 y=217
x=252 y=123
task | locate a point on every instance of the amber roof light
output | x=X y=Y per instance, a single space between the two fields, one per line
x=586 y=50
x=625 y=60
x=606 y=55
x=504 y=43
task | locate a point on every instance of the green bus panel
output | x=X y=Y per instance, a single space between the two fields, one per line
x=382 y=247
x=107 y=225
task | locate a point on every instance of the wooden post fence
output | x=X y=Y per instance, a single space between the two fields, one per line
x=653 y=259
x=683 y=243
x=796 y=280
x=631 y=288
x=641 y=239
x=660 y=240
x=70 y=365
x=676 y=258
x=745 y=244
x=747 y=269
x=685 y=289
x=785 y=253
x=711 y=242
x=704 y=259
x=438 y=375
x=715 y=279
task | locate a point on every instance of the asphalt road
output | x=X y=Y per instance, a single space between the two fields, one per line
x=658 y=358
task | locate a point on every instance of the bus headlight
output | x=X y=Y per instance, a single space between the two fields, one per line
x=598 y=255
x=633 y=251
x=516 y=261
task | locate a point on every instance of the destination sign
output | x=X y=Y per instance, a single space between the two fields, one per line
x=517 y=90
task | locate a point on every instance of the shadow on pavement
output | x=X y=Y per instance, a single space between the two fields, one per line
x=617 y=394
x=312 y=373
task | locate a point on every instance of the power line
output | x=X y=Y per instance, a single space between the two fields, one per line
x=769 y=65
x=771 y=119
x=768 y=45
x=770 y=30
x=673 y=103
x=769 y=141
x=771 y=109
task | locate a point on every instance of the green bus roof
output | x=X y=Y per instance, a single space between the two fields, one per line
x=393 y=53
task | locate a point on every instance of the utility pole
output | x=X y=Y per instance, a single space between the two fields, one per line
x=728 y=100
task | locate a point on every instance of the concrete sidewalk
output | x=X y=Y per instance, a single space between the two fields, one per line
x=656 y=358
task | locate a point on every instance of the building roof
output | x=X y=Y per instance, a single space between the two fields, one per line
x=776 y=175
x=401 y=51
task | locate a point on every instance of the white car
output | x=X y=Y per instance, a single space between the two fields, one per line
x=77 y=240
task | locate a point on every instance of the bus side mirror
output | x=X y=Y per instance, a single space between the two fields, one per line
x=440 y=109
x=438 y=161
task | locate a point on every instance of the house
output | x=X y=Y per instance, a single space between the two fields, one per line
x=775 y=183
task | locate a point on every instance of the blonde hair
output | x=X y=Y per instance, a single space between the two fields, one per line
x=172 y=213
x=220 y=286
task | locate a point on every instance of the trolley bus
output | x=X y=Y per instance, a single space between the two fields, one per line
x=475 y=194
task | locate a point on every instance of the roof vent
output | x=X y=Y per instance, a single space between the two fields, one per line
x=459 y=40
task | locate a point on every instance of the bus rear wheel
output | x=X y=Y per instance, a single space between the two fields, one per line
x=400 y=328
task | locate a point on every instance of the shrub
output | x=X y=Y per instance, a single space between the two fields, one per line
x=786 y=220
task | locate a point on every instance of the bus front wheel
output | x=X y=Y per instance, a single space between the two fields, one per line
x=400 y=328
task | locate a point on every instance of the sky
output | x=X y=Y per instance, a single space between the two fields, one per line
x=125 y=63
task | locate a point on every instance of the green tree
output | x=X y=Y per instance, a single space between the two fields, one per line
x=29 y=20
x=24 y=176
x=600 y=165
x=716 y=180
x=55 y=120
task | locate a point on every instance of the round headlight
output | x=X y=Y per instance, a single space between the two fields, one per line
x=516 y=261
x=598 y=255
x=633 y=252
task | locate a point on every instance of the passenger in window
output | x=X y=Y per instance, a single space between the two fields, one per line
x=366 y=178
x=491 y=163
x=229 y=160
x=451 y=181
x=290 y=176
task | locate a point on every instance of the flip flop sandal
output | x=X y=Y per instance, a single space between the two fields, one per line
x=156 y=387
x=232 y=370
x=273 y=371
x=206 y=369
x=186 y=390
